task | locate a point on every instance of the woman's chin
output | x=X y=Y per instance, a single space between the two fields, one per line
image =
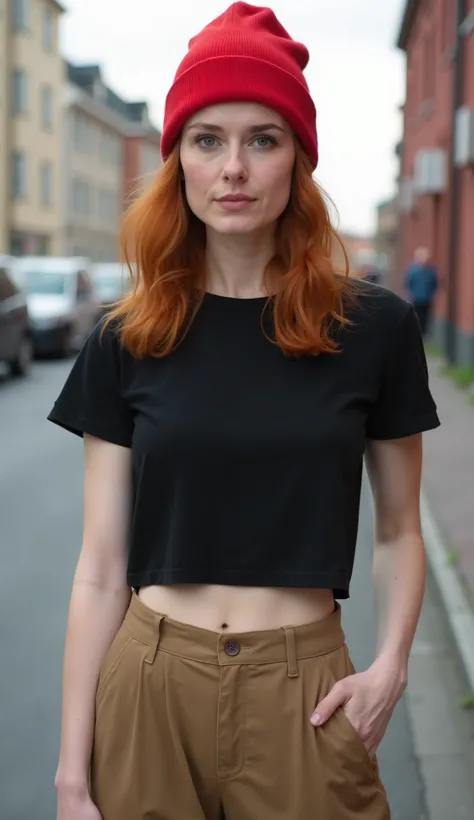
x=235 y=225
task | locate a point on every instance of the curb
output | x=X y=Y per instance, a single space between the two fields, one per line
x=458 y=609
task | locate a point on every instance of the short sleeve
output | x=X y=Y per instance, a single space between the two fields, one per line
x=91 y=400
x=404 y=405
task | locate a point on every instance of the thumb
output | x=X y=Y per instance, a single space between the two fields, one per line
x=328 y=705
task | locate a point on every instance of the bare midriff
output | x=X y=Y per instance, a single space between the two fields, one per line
x=238 y=609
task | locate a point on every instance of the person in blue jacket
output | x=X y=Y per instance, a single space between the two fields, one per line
x=421 y=284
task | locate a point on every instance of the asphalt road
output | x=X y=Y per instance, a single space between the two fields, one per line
x=40 y=530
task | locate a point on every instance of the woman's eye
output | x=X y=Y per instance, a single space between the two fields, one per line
x=264 y=141
x=206 y=141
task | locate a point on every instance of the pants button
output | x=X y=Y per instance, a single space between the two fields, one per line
x=232 y=648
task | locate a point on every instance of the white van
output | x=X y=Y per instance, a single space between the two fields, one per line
x=62 y=302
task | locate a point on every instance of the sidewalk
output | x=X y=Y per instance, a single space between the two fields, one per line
x=448 y=483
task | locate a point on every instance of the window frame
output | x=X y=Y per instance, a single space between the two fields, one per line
x=49 y=31
x=19 y=92
x=20 y=15
x=46 y=183
x=19 y=174
x=47 y=107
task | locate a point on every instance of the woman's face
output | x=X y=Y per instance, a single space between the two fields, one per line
x=237 y=160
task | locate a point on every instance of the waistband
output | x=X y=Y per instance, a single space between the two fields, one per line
x=286 y=644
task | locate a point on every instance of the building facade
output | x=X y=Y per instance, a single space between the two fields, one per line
x=31 y=72
x=109 y=145
x=386 y=240
x=93 y=157
x=437 y=159
x=4 y=71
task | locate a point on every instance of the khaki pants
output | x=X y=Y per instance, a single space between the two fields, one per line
x=198 y=725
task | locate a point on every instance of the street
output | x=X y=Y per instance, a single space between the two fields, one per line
x=41 y=517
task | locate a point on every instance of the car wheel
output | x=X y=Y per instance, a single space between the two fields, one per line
x=20 y=365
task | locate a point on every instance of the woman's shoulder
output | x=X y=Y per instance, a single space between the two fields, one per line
x=376 y=305
x=105 y=339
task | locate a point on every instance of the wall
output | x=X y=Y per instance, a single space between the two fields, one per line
x=93 y=178
x=28 y=135
x=4 y=106
x=427 y=124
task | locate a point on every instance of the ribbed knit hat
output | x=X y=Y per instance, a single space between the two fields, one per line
x=245 y=55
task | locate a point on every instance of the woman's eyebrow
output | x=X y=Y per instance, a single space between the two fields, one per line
x=254 y=129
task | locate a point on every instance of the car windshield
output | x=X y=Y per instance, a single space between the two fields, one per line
x=48 y=283
x=109 y=286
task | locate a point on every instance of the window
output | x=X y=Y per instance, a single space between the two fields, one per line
x=81 y=132
x=46 y=184
x=80 y=197
x=105 y=145
x=45 y=282
x=19 y=92
x=18 y=175
x=47 y=108
x=48 y=30
x=103 y=205
x=448 y=24
x=20 y=10
x=108 y=208
x=429 y=68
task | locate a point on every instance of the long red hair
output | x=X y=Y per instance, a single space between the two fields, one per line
x=163 y=244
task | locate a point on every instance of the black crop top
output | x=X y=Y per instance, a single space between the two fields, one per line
x=247 y=464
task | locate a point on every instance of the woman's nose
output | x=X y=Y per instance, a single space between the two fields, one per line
x=234 y=168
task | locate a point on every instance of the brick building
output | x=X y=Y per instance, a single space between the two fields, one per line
x=142 y=151
x=437 y=159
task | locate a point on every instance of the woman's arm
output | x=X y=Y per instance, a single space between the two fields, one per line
x=399 y=569
x=99 y=600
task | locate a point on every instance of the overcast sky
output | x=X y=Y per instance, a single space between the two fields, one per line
x=355 y=74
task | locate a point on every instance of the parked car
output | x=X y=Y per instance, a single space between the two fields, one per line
x=16 y=348
x=62 y=302
x=111 y=281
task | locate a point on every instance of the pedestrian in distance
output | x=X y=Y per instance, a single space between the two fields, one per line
x=421 y=284
x=226 y=406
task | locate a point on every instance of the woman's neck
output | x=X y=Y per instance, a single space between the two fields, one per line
x=236 y=263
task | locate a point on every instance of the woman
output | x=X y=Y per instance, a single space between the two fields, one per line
x=226 y=405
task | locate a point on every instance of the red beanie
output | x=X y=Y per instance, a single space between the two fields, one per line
x=245 y=55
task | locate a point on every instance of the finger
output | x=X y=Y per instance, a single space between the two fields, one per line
x=328 y=705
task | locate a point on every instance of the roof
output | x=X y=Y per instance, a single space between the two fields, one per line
x=409 y=14
x=384 y=204
x=83 y=75
x=58 y=5
x=89 y=77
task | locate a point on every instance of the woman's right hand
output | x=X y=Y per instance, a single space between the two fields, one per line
x=76 y=807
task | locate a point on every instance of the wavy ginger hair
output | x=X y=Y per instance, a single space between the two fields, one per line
x=163 y=244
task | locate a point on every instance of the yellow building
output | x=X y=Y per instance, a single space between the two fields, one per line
x=32 y=77
x=3 y=123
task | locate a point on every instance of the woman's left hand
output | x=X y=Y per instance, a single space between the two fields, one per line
x=368 y=700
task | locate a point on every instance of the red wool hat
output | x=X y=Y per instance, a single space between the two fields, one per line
x=245 y=55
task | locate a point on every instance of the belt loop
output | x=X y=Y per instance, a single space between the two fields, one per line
x=291 y=652
x=155 y=642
